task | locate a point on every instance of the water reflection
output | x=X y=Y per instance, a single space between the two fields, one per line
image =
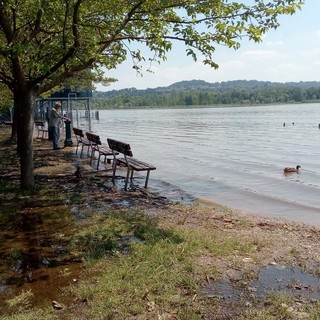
x=35 y=253
x=239 y=294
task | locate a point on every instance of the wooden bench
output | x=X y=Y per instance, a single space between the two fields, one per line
x=131 y=163
x=81 y=140
x=41 y=128
x=5 y=123
x=96 y=145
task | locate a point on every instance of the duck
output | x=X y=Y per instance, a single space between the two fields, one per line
x=78 y=173
x=288 y=169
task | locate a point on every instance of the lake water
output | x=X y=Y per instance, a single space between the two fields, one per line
x=231 y=155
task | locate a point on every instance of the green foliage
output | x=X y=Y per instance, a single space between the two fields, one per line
x=5 y=98
x=200 y=93
x=48 y=42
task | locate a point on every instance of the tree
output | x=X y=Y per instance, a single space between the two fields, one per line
x=45 y=42
x=5 y=98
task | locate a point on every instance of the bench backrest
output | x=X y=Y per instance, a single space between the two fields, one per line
x=120 y=147
x=78 y=132
x=93 y=138
x=39 y=123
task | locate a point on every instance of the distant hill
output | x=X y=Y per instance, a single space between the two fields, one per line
x=200 y=92
x=204 y=85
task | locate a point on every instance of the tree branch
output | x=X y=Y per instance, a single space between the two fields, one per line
x=70 y=52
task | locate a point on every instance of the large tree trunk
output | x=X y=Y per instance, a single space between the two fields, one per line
x=14 y=124
x=24 y=103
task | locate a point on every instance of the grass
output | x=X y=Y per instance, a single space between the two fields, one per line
x=138 y=268
x=281 y=307
x=148 y=278
x=21 y=302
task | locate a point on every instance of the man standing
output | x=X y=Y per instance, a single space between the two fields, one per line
x=54 y=125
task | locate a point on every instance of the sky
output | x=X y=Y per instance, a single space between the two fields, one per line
x=289 y=53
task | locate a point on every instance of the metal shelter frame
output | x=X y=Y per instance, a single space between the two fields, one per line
x=69 y=107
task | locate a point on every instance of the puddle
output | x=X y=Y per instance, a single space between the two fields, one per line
x=34 y=253
x=293 y=281
x=272 y=279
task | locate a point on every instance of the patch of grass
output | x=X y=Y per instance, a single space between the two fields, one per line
x=32 y=315
x=314 y=311
x=277 y=306
x=250 y=274
x=152 y=277
x=20 y=302
x=158 y=273
x=116 y=233
x=218 y=244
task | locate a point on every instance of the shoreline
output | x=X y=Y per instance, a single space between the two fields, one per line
x=254 y=216
x=285 y=211
x=288 y=212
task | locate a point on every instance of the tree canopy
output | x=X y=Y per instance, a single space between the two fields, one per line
x=5 y=97
x=45 y=42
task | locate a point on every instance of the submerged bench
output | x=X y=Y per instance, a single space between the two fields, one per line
x=41 y=128
x=96 y=146
x=81 y=140
x=132 y=164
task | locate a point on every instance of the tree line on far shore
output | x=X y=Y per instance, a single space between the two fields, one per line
x=198 y=92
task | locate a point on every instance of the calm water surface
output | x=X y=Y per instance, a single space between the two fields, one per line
x=232 y=155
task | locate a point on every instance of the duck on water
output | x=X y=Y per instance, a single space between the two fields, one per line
x=288 y=169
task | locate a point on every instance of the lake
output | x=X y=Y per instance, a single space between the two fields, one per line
x=231 y=155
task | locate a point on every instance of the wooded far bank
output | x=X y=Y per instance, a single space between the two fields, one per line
x=202 y=93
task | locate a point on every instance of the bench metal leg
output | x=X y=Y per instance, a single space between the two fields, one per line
x=147 y=179
x=91 y=156
x=114 y=167
x=127 y=178
x=81 y=150
x=98 y=161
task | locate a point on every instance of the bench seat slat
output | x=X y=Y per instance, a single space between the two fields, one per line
x=104 y=151
x=85 y=141
x=137 y=165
